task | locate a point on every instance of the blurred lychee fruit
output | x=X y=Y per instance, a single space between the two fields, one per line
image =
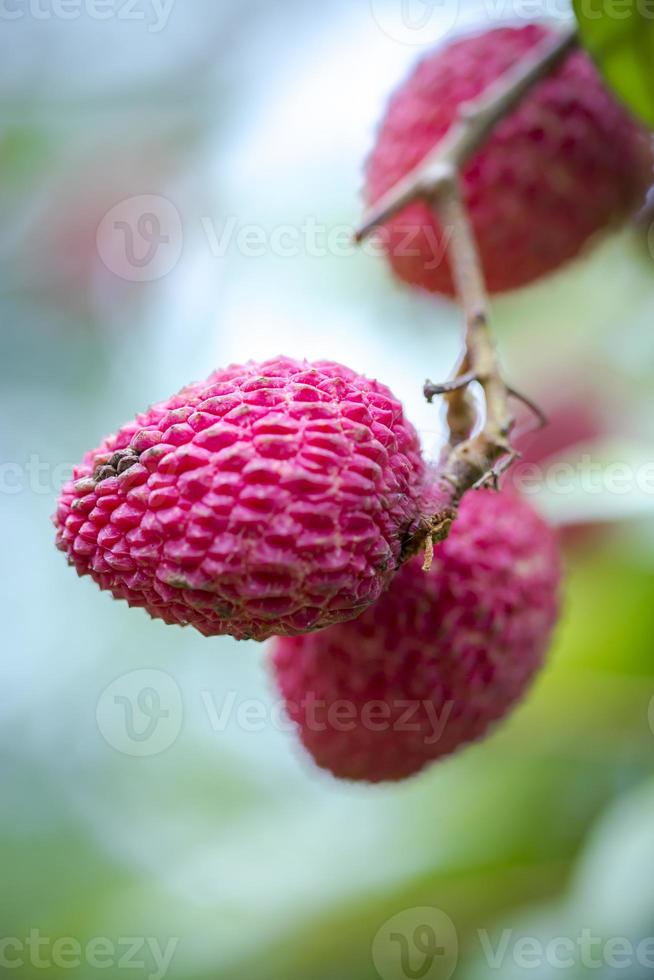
x=439 y=658
x=549 y=455
x=270 y=498
x=566 y=163
x=60 y=239
x=573 y=418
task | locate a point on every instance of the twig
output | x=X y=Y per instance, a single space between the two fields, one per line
x=492 y=478
x=535 y=409
x=461 y=407
x=474 y=457
x=448 y=387
x=464 y=138
x=468 y=461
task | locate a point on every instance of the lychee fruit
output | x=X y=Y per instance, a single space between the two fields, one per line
x=566 y=163
x=439 y=658
x=575 y=420
x=270 y=498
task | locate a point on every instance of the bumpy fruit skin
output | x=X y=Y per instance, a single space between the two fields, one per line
x=438 y=658
x=270 y=498
x=566 y=163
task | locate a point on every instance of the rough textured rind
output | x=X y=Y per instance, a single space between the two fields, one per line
x=566 y=163
x=270 y=498
x=438 y=658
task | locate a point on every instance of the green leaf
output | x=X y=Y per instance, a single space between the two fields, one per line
x=619 y=34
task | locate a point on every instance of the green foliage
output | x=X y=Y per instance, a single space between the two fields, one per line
x=619 y=34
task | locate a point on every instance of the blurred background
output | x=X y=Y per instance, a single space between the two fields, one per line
x=179 y=180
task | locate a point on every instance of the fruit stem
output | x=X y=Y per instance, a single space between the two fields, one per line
x=476 y=121
x=473 y=458
x=476 y=455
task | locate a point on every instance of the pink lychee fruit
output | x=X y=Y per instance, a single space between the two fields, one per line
x=439 y=657
x=270 y=498
x=566 y=163
x=575 y=420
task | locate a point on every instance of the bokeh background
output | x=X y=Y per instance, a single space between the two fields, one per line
x=178 y=183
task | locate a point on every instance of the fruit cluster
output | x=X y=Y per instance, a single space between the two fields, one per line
x=285 y=498
x=277 y=499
